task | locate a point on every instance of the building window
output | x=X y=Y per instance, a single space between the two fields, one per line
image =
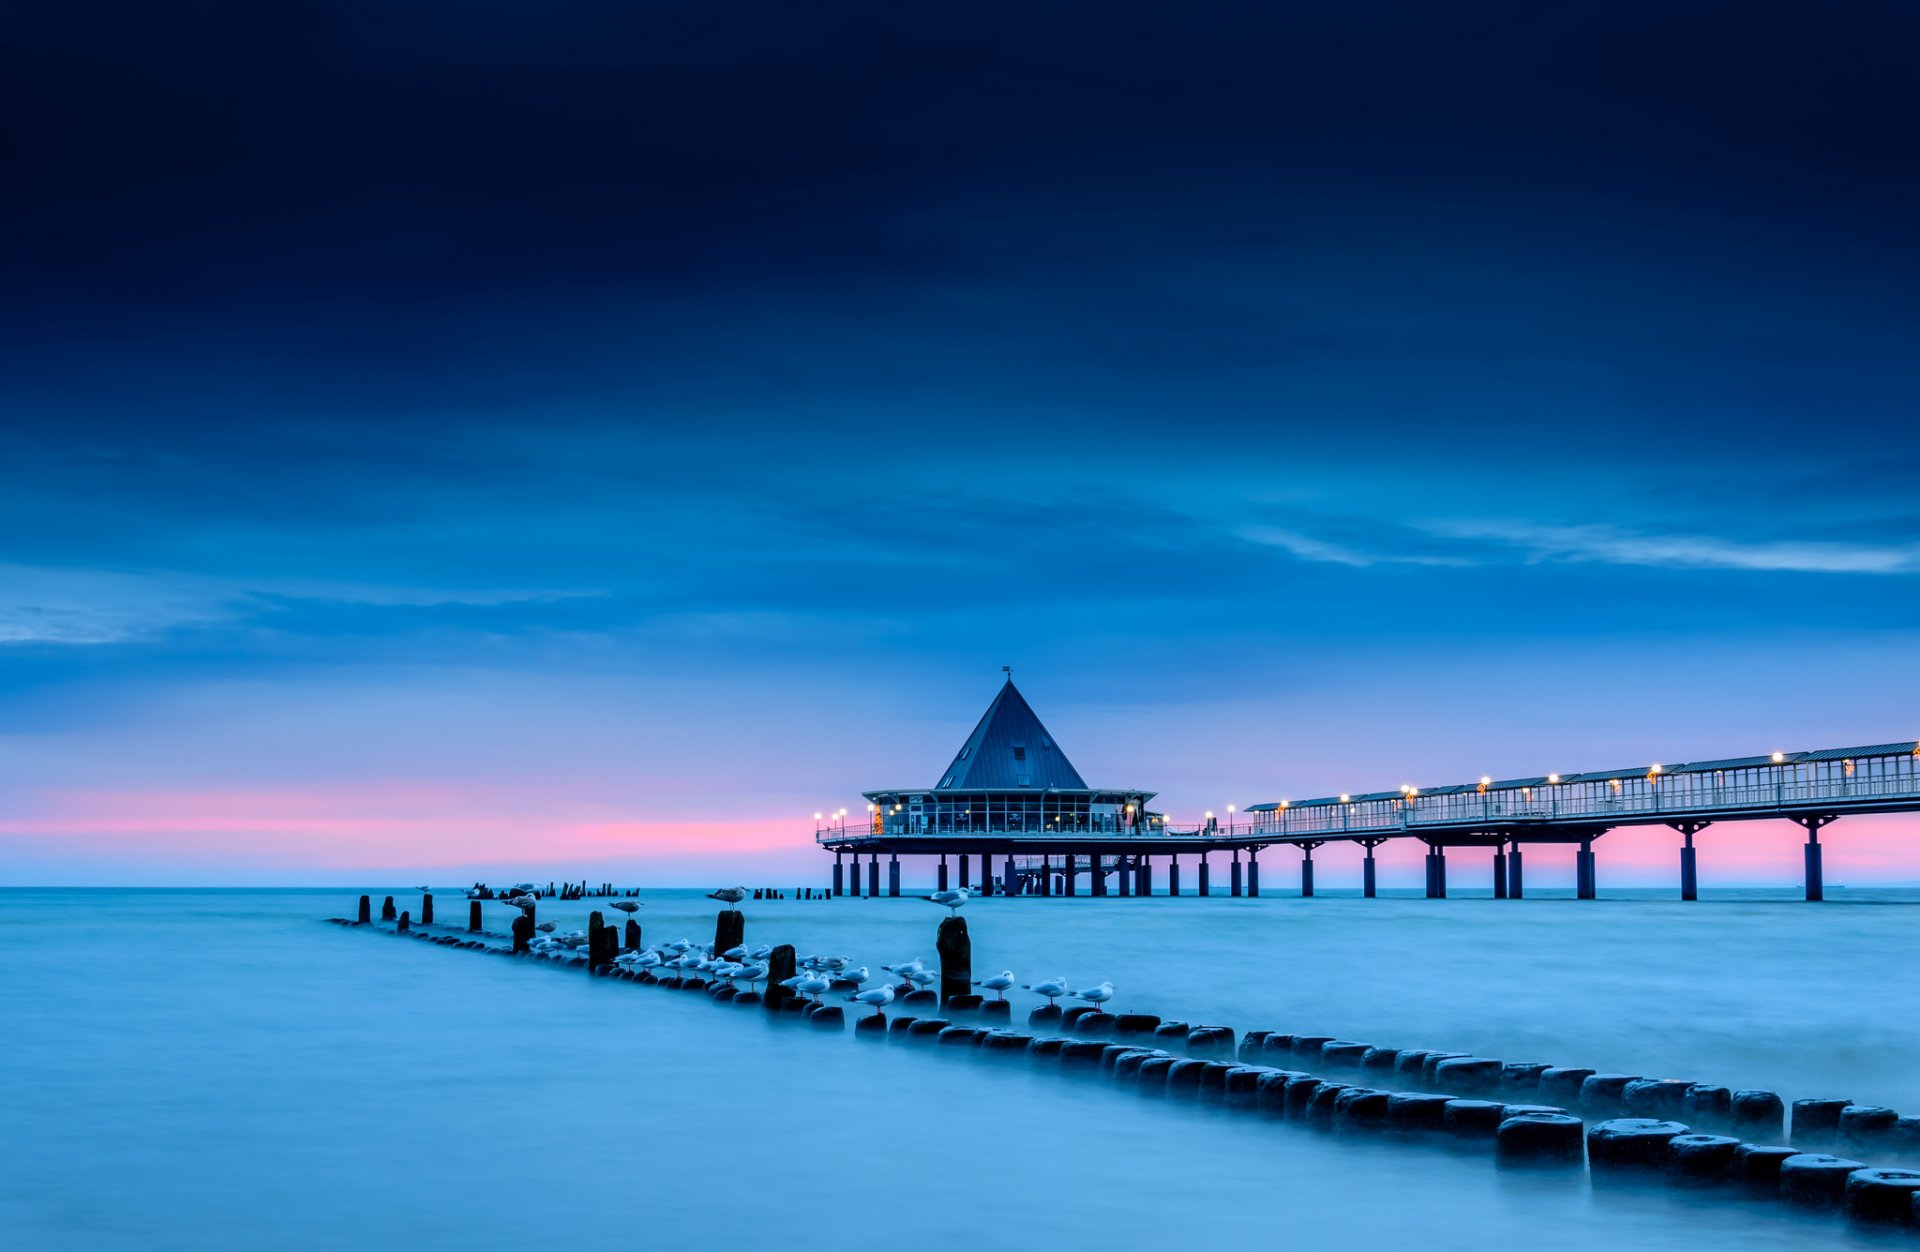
x=1019 y=751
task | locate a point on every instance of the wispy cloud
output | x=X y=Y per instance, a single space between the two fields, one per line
x=48 y=605
x=1309 y=547
x=1344 y=541
x=1619 y=546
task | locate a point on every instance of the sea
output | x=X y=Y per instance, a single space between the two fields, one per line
x=220 y=1069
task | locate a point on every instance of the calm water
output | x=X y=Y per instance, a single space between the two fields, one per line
x=218 y=1070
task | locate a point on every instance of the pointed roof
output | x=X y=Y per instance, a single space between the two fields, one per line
x=1010 y=749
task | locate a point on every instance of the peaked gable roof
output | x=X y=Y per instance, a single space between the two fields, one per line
x=1010 y=749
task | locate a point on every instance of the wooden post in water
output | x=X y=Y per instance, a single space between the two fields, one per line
x=596 y=937
x=956 y=958
x=522 y=931
x=426 y=909
x=633 y=935
x=780 y=967
x=473 y=917
x=386 y=910
x=729 y=930
x=406 y=923
x=366 y=910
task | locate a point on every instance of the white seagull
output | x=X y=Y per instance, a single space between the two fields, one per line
x=1052 y=988
x=952 y=899
x=1096 y=995
x=998 y=984
x=728 y=895
x=879 y=998
x=813 y=985
x=629 y=907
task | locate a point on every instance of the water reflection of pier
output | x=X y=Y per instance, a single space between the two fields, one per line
x=1011 y=800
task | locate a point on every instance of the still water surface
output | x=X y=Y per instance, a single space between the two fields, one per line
x=216 y=1070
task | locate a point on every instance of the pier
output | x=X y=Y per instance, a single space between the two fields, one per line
x=1012 y=815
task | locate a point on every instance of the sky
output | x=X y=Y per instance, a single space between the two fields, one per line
x=587 y=439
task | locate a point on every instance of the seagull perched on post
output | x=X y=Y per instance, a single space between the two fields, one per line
x=997 y=984
x=879 y=998
x=629 y=907
x=1052 y=988
x=728 y=895
x=1096 y=995
x=952 y=899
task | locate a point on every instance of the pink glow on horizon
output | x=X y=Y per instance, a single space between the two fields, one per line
x=80 y=835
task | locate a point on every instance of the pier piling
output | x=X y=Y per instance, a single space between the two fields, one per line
x=473 y=916
x=366 y=910
x=387 y=913
x=426 y=909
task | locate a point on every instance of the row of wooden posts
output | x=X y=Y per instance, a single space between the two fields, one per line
x=1526 y=1114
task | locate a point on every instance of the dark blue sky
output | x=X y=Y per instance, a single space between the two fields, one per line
x=676 y=413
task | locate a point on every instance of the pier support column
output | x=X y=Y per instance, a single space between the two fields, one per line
x=1122 y=872
x=837 y=878
x=1816 y=881
x=1253 y=875
x=1206 y=887
x=853 y=879
x=1145 y=886
x=1583 y=884
x=966 y=872
x=986 y=873
x=1173 y=875
x=1516 y=880
x=1306 y=872
x=1369 y=876
x=1436 y=873
x=1069 y=874
x=893 y=874
x=1500 y=871
x=1235 y=875
x=1098 y=865
x=1013 y=882
x=943 y=873
x=1046 y=874
x=873 y=875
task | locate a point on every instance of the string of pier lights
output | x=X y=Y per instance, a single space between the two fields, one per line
x=1408 y=793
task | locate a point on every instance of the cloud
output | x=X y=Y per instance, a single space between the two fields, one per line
x=45 y=605
x=1485 y=543
x=1333 y=551
x=1540 y=543
x=90 y=606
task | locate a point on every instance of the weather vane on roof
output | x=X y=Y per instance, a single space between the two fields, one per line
x=1007 y=670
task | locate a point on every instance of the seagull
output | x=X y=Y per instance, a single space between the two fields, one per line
x=629 y=907
x=1052 y=988
x=752 y=972
x=728 y=895
x=904 y=968
x=858 y=977
x=762 y=952
x=998 y=984
x=879 y=998
x=923 y=978
x=812 y=985
x=1096 y=995
x=423 y=888
x=836 y=963
x=647 y=960
x=952 y=899
x=736 y=952
x=545 y=928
